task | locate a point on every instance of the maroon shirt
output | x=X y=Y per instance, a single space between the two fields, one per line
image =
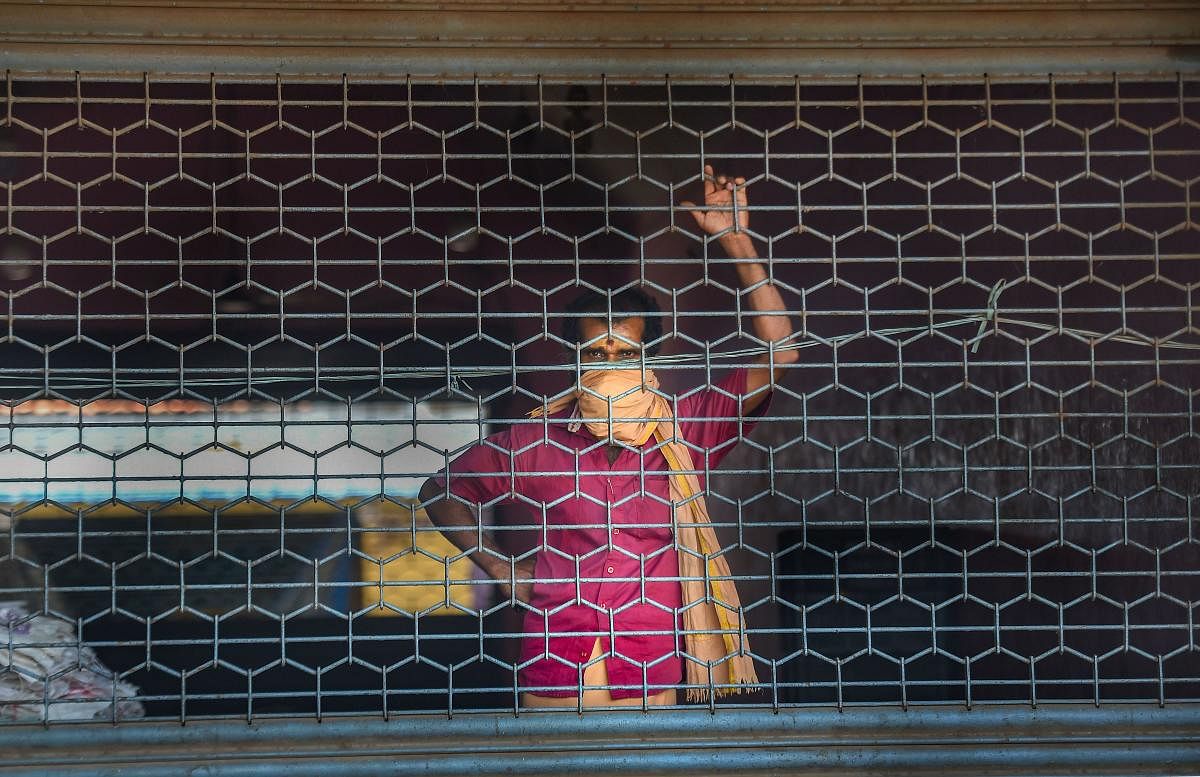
x=608 y=566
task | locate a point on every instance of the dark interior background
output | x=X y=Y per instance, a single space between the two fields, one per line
x=919 y=519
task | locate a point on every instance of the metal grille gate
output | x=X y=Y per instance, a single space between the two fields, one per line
x=238 y=311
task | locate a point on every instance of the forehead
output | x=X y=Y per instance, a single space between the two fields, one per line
x=594 y=332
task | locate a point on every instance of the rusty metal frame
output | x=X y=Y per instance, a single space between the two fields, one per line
x=660 y=36
x=654 y=37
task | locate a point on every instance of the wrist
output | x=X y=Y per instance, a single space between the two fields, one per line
x=494 y=567
x=738 y=245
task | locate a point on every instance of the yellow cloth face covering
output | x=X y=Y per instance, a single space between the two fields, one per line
x=714 y=637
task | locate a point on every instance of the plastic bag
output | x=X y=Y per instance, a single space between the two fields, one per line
x=46 y=674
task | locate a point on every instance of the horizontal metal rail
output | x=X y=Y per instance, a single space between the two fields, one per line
x=1048 y=740
x=813 y=39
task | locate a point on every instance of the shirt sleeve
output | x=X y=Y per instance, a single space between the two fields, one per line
x=711 y=419
x=482 y=473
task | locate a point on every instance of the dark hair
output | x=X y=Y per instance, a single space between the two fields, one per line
x=630 y=303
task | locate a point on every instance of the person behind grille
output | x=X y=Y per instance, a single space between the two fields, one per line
x=619 y=578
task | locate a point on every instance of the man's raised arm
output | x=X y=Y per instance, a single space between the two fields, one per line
x=724 y=198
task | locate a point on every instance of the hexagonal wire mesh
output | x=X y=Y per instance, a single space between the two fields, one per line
x=245 y=319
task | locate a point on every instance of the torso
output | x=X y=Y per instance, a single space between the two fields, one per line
x=582 y=500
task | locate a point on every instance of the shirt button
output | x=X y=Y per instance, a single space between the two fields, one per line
x=616 y=531
x=610 y=570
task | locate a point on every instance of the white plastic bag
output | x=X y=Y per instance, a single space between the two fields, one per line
x=46 y=674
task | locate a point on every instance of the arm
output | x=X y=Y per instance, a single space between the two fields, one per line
x=771 y=323
x=461 y=527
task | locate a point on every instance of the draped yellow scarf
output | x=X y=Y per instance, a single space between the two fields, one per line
x=718 y=651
